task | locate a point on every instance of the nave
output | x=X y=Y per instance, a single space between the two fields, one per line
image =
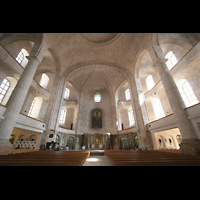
x=104 y=158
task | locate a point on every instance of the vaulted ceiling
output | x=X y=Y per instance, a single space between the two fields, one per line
x=73 y=48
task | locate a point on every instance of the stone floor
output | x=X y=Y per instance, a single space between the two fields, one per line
x=97 y=161
x=97 y=158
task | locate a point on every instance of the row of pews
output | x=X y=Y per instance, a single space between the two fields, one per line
x=151 y=158
x=45 y=158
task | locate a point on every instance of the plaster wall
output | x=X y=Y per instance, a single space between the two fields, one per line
x=87 y=104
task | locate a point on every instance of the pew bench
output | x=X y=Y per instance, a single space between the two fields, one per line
x=150 y=158
x=45 y=158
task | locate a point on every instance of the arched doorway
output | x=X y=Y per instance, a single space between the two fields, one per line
x=124 y=143
x=57 y=139
x=136 y=141
x=70 y=142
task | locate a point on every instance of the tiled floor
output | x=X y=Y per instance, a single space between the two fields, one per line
x=97 y=161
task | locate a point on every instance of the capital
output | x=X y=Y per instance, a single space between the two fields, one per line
x=160 y=61
x=32 y=57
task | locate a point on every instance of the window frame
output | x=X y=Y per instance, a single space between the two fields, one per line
x=6 y=90
x=67 y=93
x=44 y=83
x=157 y=107
x=189 y=93
x=127 y=94
x=131 y=118
x=21 y=57
x=149 y=81
x=62 y=118
x=172 y=60
x=31 y=108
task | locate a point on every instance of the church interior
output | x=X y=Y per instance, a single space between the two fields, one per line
x=100 y=91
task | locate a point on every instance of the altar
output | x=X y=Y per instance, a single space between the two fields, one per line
x=97 y=146
x=96 y=141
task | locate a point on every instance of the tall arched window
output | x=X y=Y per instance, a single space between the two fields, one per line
x=150 y=82
x=4 y=88
x=171 y=59
x=157 y=107
x=127 y=94
x=131 y=118
x=31 y=108
x=44 y=81
x=21 y=58
x=192 y=99
x=35 y=107
x=67 y=92
x=62 y=116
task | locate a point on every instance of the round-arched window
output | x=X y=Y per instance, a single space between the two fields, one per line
x=97 y=97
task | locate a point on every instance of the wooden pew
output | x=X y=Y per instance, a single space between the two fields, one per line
x=14 y=151
x=150 y=158
x=45 y=158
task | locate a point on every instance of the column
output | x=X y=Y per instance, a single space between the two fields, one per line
x=49 y=110
x=15 y=104
x=142 y=101
x=190 y=143
x=143 y=137
x=56 y=104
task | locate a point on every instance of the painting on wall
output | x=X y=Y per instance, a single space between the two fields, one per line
x=97 y=118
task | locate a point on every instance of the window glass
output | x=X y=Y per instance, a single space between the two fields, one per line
x=97 y=97
x=150 y=82
x=4 y=88
x=127 y=94
x=171 y=60
x=157 y=107
x=189 y=93
x=67 y=92
x=62 y=116
x=44 y=81
x=131 y=118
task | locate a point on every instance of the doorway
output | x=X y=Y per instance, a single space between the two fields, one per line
x=70 y=142
x=124 y=143
x=136 y=141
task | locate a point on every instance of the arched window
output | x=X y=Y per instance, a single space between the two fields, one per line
x=4 y=88
x=62 y=116
x=31 y=108
x=171 y=59
x=150 y=82
x=21 y=58
x=35 y=107
x=189 y=94
x=67 y=92
x=127 y=94
x=157 y=107
x=97 y=97
x=131 y=118
x=44 y=81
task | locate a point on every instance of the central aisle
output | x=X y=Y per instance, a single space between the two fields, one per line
x=97 y=161
x=97 y=158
